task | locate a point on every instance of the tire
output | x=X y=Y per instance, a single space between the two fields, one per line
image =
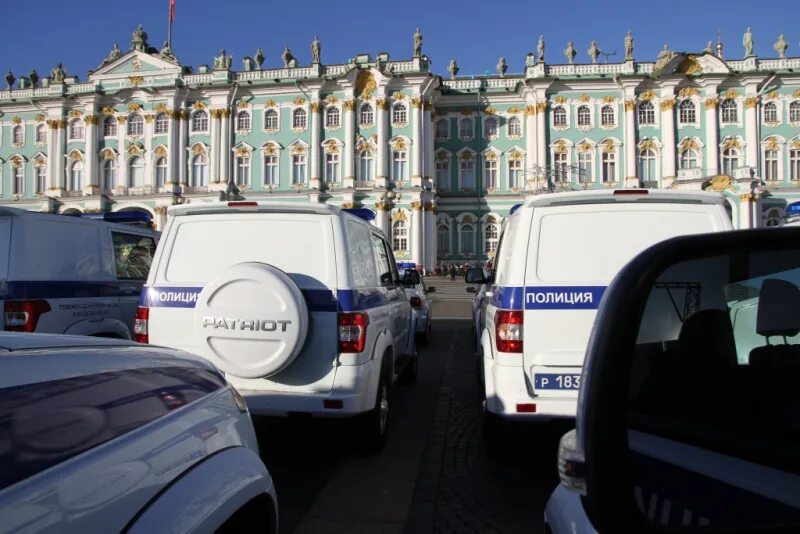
x=409 y=375
x=374 y=424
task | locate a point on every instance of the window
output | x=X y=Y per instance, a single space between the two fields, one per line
x=399 y=114
x=443 y=240
x=607 y=116
x=136 y=124
x=442 y=129
x=136 y=172
x=18 y=135
x=609 y=167
x=399 y=236
x=162 y=123
x=689 y=159
x=399 y=165
x=271 y=119
x=366 y=166
x=559 y=116
x=466 y=169
x=514 y=173
x=465 y=129
x=586 y=166
x=200 y=171
x=299 y=169
x=271 y=170
x=771 y=164
x=331 y=167
x=18 y=180
x=443 y=172
x=491 y=234
x=109 y=174
x=490 y=128
x=647 y=113
x=490 y=172
x=243 y=121
x=730 y=111
x=332 y=117
x=75 y=176
x=133 y=254
x=686 y=112
x=386 y=268
x=794 y=111
x=299 y=119
x=467 y=239
x=76 y=130
x=161 y=172
x=584 y=116
x=514 y=127
x=200 y=121
x=243 y=170
x=794 y=164
x=560 y=167
x=367 y=115
x=41 y=178
x=109 y=127
x=647 y=165
x=730 y=161
x=41 y=134
x=770 y=112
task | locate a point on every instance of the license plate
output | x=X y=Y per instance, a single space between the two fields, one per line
x=556 y=381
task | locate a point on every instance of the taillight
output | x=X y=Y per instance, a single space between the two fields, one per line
x=23 y=315
x=353 y=331
x=508 y=330
x=140 y=325
x=416 y=302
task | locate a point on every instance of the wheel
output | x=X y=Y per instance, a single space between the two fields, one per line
x=409 y=375
x=375 y=423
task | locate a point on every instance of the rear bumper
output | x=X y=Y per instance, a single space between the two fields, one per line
x=507 y=388
x=353 y=386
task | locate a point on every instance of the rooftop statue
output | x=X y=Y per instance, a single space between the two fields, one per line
x=502 y=66
x=316 y=50
x=453 y=69
x=780 y=46
x=33 y=77
x=167 y=53
x=540 y=49
x=139 y=40
x=530 y=60
x=629 y=46
x=289 y=62
x=223 y=61
x=747 y=42
x=58 y=74
x=570 y=52
x=248 y=64
x=259 y=58
x=10 y=79
x=593 y=51
x=417 y=43
x=112 y=56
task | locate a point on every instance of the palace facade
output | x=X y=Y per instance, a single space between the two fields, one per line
x=441 y=159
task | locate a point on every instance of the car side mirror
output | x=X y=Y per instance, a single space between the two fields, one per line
x=665 y=439
x=472 y=289
x=475 y=276
x=387 y=279
x=431 y=289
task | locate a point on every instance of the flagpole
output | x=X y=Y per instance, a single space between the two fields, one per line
x=169 y=28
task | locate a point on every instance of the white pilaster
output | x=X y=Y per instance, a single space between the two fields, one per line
x=61 y=156
x=90 y=186
x=541 y=135
x=53 y=156
x=173 y=152
x=712 y=133
x=382 y=156
x=531 y=135
x=122 y=167
x=430 y=236
x=382 y=217
x=751 y=131
x=631 y=173
x=314 y=153
x=416 y=232
x=416 y=143
x=348 y=108
x=226 y=147
x=183 y=146
x=149 y=162
x=668 y=133
x=213 y=160
x=427 y=125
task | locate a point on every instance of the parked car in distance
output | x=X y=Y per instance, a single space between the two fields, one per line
x=309 y=319
x=418 y=292
x=103 y=435
x=70 y=275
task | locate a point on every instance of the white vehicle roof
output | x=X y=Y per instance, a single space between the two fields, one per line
x=259 y=206
x=625 y=195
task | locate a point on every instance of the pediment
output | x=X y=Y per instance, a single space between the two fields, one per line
x=136 y=63
x=682 y=63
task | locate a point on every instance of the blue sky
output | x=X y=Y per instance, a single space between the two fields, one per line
x=79 y=33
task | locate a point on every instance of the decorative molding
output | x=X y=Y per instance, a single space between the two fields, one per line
x=513 y=110
x=149 y=118
x=75 y=156
x=751 y=102
x=16 y=120
x=584 y=98
x=712 y=102
x=686 y=92
x=243 y=152
x=490 y=156
x=134 y=150
x=160 y=108
x=466 y=112
x=133 y=106
x=647 y=96
x=399 y=215
x=796 y=144
x=488 y=111
x=136 y=81
x=773 y=95
x=199 y=148
x=560 y=147
x=62 y=123
x=348 y=105
x=416 y=205
x=609 y=99
x=585 y=147
x=630 y=105
x=108 y=111
x=541 y=107
x=515 y=155
x=91 y=119
x=53 y=124
x=399 y=144
x=561 y=100
x=648 y=144
x=530 y=109
x=732 y=143
x=415 y=102
x=731 y=93
x=299 y=149
x=771 y=143
x=667 y=104
x=466 y=156
x=160 y=151
x=331 y=99
x=609 y=147
x=198 y=106
x=315 y=106
x=299 y=101
x=40 y=117
x=689 y=144
x=242 y=104
x=270 y=104
x=381 y=103
x=397 y=95
x=225 y=113
x=75 y=114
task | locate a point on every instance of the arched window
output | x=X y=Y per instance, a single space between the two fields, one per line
x=299 y=119
x=794 y=111
x=332 y=167
x=729 y=111
x=584 y=116
x=298 y=168
x=770 y=112
x=771 y=165
x=686 y=112
x=559 y=116
x=647 y=165
x=18 y=135
x=443 y=171
x=18 y=179
x=109 y=174
x=161 y=172
x=560 y=167
x=647 y=113
x=514 y=127
x=270 y=169
x=135 y=124
x=200 y=171
x=794 y=164
x=490 y=235
x=399 y=114
x=332 y=117
x=466 y=171
x=443 y=240
x=367 y=115
x=271 y=119
x=514 y=173
x=366 y=166
x=136 y=172
x=609 y=166
x=41 y=177
x=442 y=129
x=76 y=130
x=109 y=126
x=730 y=161
x=75 y=176
x=586 y=166
x=41 y=134
x=467 y=245
x=399 y=165
x=399 y=236
x=465 y=129
x=243 y=170
x=689 y=159
x=607 y=116
x=490 y=172
x=490 y=128
x=243 y=121
x=200 y=121
x=162 y=123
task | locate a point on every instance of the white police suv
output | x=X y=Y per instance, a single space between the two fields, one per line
x=70 y=275
x=300 y=305
x=102 y=435
x=556 y=255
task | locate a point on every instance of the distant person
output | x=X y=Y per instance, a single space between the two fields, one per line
x=452 y=273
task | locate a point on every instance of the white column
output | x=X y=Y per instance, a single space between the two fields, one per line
x=173 y=149
x=383 y=210
x=631 y=173
x=416 y=144
x=531 y=135
x=183 y=146
x=149 y=175
x=541 y=135
x=712 y=136
x=427 y=125
x=122 y=167
x=314 y=153
x=382 y=156
x=213 y=160
x=53 y=155
x=430 y=236
x=348 y=108
x=225 y=145
x=90 y=185
x=668 y=140
x=751 y=132
x=416 y=231
x=61 y=154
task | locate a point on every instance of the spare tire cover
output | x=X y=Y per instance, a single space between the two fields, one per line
x=251 y=321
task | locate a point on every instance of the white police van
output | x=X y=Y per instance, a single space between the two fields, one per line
x=556 y=255
x=300 y=305
x=61 y=274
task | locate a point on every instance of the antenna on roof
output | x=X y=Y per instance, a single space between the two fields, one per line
x=607 y=54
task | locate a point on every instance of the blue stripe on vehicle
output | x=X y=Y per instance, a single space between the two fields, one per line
x=58 y=289
x=56 y=420
x=563 y=297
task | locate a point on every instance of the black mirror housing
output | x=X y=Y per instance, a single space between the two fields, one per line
x=431 y=289
x=472 y=289
x=475 y=276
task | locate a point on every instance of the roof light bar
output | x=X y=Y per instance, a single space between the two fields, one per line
x=362 y=213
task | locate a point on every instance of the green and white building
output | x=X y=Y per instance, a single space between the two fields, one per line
x=440 y=158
